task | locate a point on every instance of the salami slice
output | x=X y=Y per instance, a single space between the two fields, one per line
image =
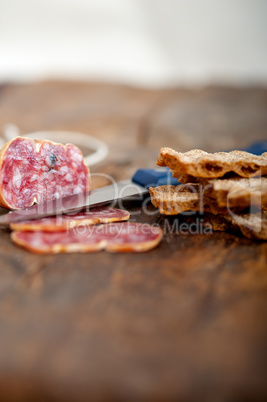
x=33 y=171
x=113 y=237
x=65 y=222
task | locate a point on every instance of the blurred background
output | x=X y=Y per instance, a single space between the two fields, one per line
x=152 y=43
x=139 y=73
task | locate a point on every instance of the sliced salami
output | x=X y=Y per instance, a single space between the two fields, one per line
x=62 y=223
x=113 y=237
x=33 y=171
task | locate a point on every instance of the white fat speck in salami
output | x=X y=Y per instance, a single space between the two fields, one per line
x=113 y=237
x=47 y=169
x=68 y=177
x=62 y=223
x=16 y=178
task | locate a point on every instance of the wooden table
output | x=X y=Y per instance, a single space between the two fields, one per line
x=185 y=321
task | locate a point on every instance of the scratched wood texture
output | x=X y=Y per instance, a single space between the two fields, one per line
x=186 y=321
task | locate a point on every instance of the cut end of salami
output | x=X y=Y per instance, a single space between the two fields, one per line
x=113 y=237
x=33 y=171
x=62 y=223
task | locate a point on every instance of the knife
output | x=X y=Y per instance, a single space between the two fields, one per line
x=133 y=188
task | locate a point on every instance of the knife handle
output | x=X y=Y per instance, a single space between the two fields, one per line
x=159 y=177
x=257 y=148
x=154 y=177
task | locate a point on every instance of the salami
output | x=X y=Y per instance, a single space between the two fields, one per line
x=65 y=222
x=33 y=171
x=113 y=237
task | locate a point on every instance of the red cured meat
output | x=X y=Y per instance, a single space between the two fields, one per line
x=32 y=171
x=114 y=237
x=65 y=222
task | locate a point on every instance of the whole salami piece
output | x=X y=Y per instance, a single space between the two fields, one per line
x=113 y=237
x=33 y=171
x=62 y=223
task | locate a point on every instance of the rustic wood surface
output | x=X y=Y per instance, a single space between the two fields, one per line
x=185 y=321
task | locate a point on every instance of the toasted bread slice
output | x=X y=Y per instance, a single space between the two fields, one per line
x=198 y=163
x=173 y=200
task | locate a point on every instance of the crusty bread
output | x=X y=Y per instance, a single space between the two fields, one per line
x=222 y=186
x=198 y=163
x=173 y=200
x=235 y=191
x=239 y=192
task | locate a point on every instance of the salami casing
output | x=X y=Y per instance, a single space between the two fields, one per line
x=113 y=237
x=33 y=171
x=64 y=222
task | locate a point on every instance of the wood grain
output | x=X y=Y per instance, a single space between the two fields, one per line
x=184 y=321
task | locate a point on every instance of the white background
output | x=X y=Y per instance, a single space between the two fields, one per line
x=143 y=42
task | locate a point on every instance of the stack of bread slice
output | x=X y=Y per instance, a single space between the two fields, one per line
x=228 y=188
